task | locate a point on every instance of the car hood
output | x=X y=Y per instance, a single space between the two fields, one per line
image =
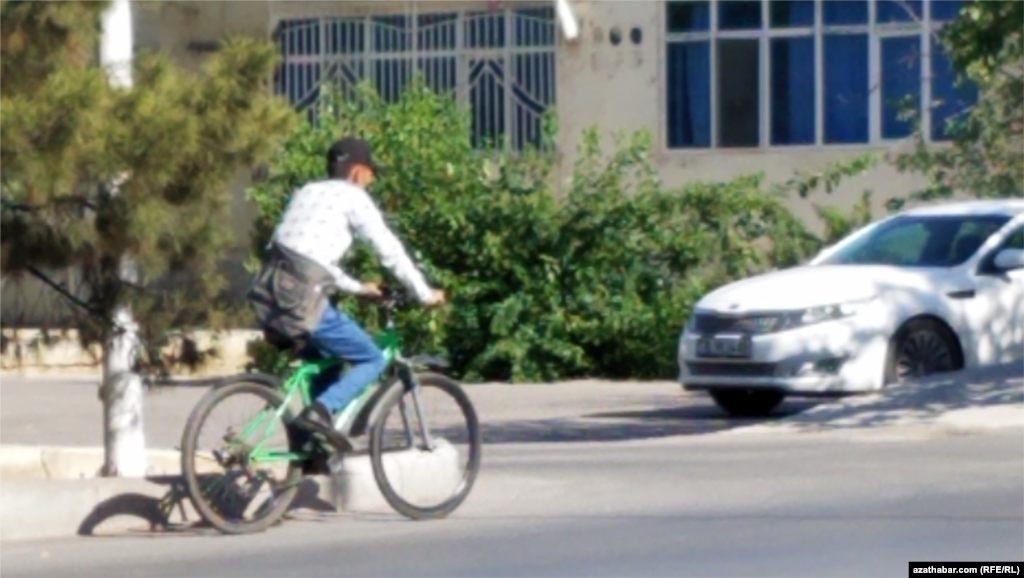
x=815 y=285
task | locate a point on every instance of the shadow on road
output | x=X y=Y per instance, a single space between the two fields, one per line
x=921 y=401
x=173 y=515
x=629 y=425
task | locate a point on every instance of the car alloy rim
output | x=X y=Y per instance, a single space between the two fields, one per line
x=922 y=353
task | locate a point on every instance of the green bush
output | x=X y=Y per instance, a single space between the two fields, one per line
x=595 y=278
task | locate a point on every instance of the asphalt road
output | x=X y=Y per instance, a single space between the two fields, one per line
x=776 y=505
x=62 y=411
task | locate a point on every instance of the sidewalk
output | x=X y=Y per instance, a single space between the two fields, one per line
x=969 y=401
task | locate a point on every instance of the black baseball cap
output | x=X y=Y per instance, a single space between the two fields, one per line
x=353 y=150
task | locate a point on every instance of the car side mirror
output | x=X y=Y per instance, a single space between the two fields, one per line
x=1008 y=259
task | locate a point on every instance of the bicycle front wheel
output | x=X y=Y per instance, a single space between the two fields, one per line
x=247 y=474
x=423 y=480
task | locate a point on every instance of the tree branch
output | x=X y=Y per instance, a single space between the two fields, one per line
x=64 y=292
x=26 y=208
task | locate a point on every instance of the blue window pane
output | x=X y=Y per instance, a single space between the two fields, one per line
x=345 y=36
x=739 y=14
x=534 y=90
x=487 y=101
x=439 y=72
x=845 y=12
x=436 y=32
x=739 y=96
x=687 y=16
x=948 y=99
x=484 y=30
x=300 y=37
x=846 y=89
x=689 y=94
x=946 y=9
x=792 y=13
x=391 y=34
x=390 y=77
x=535 y=26
x=792 y=91
x=901 y=78
x=302 y=84
x=897 y=11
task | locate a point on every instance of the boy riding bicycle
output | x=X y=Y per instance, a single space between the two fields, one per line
x=289 y=294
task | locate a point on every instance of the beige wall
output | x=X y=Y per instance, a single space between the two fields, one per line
x=621 y=88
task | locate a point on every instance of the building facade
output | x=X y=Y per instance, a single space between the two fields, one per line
x=725 y=86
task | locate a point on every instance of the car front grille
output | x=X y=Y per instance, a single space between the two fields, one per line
x=710 y=323
x=711 y=369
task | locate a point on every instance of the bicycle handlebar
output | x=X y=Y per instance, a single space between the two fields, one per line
x=391 y=298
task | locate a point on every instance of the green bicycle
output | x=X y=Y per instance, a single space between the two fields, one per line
x=245 y=452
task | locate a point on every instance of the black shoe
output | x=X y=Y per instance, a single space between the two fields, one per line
x=317 y=464
x=317 y=418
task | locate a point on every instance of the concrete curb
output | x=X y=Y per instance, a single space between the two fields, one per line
x=22 y=462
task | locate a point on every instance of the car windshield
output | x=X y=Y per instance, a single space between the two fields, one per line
x=920 y=241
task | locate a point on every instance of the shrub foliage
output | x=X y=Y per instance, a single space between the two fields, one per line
x=549 y=277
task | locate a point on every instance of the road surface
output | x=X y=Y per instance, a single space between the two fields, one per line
x=860 y=504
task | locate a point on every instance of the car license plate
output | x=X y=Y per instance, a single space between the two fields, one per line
x=724 y=346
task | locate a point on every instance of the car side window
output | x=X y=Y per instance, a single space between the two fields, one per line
x=902 y=245
x=969 y=239
x=1015 y=240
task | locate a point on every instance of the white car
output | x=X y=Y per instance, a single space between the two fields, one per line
x=933 y=289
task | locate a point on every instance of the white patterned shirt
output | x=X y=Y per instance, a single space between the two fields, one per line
x=320 y=221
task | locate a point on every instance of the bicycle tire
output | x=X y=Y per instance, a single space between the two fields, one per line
x=188 y=449
x=394 y=393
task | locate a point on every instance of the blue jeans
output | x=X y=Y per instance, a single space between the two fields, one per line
x=340 y=337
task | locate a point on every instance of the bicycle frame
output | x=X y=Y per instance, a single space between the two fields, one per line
x=300 y=382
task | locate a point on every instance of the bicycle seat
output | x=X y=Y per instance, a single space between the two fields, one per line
x=283 y=343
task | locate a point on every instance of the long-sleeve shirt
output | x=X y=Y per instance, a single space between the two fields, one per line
x=320 y=222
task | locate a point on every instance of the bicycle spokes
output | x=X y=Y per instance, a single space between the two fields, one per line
x=247 y=457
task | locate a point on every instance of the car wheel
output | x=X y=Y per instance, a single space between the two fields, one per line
x=747 y=402
x=920 y=348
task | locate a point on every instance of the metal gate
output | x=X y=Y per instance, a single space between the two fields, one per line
x=499 y=63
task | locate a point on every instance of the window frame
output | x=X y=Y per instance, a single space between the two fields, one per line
x=922 y=27
x=366 y=12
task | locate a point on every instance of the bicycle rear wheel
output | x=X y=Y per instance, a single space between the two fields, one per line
x=407 y=451
x=246 y=455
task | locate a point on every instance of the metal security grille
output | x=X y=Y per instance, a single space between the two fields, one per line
x=499 y=63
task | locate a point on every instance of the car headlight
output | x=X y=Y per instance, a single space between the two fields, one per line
x=765 y=323
x=819 y=314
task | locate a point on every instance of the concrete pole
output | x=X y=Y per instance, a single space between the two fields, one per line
x=121 y=392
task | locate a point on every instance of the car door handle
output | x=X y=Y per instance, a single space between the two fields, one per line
x=961 y=294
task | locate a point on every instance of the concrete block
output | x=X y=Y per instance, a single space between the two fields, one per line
x=420 y=477
x=21 y=462
x=18 y=462
x=31 y=509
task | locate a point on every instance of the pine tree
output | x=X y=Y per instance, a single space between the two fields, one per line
x=97 y=176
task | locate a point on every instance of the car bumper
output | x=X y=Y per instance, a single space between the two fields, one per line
x=833 y=357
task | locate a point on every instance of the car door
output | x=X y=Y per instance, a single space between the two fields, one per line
x=995 y=313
